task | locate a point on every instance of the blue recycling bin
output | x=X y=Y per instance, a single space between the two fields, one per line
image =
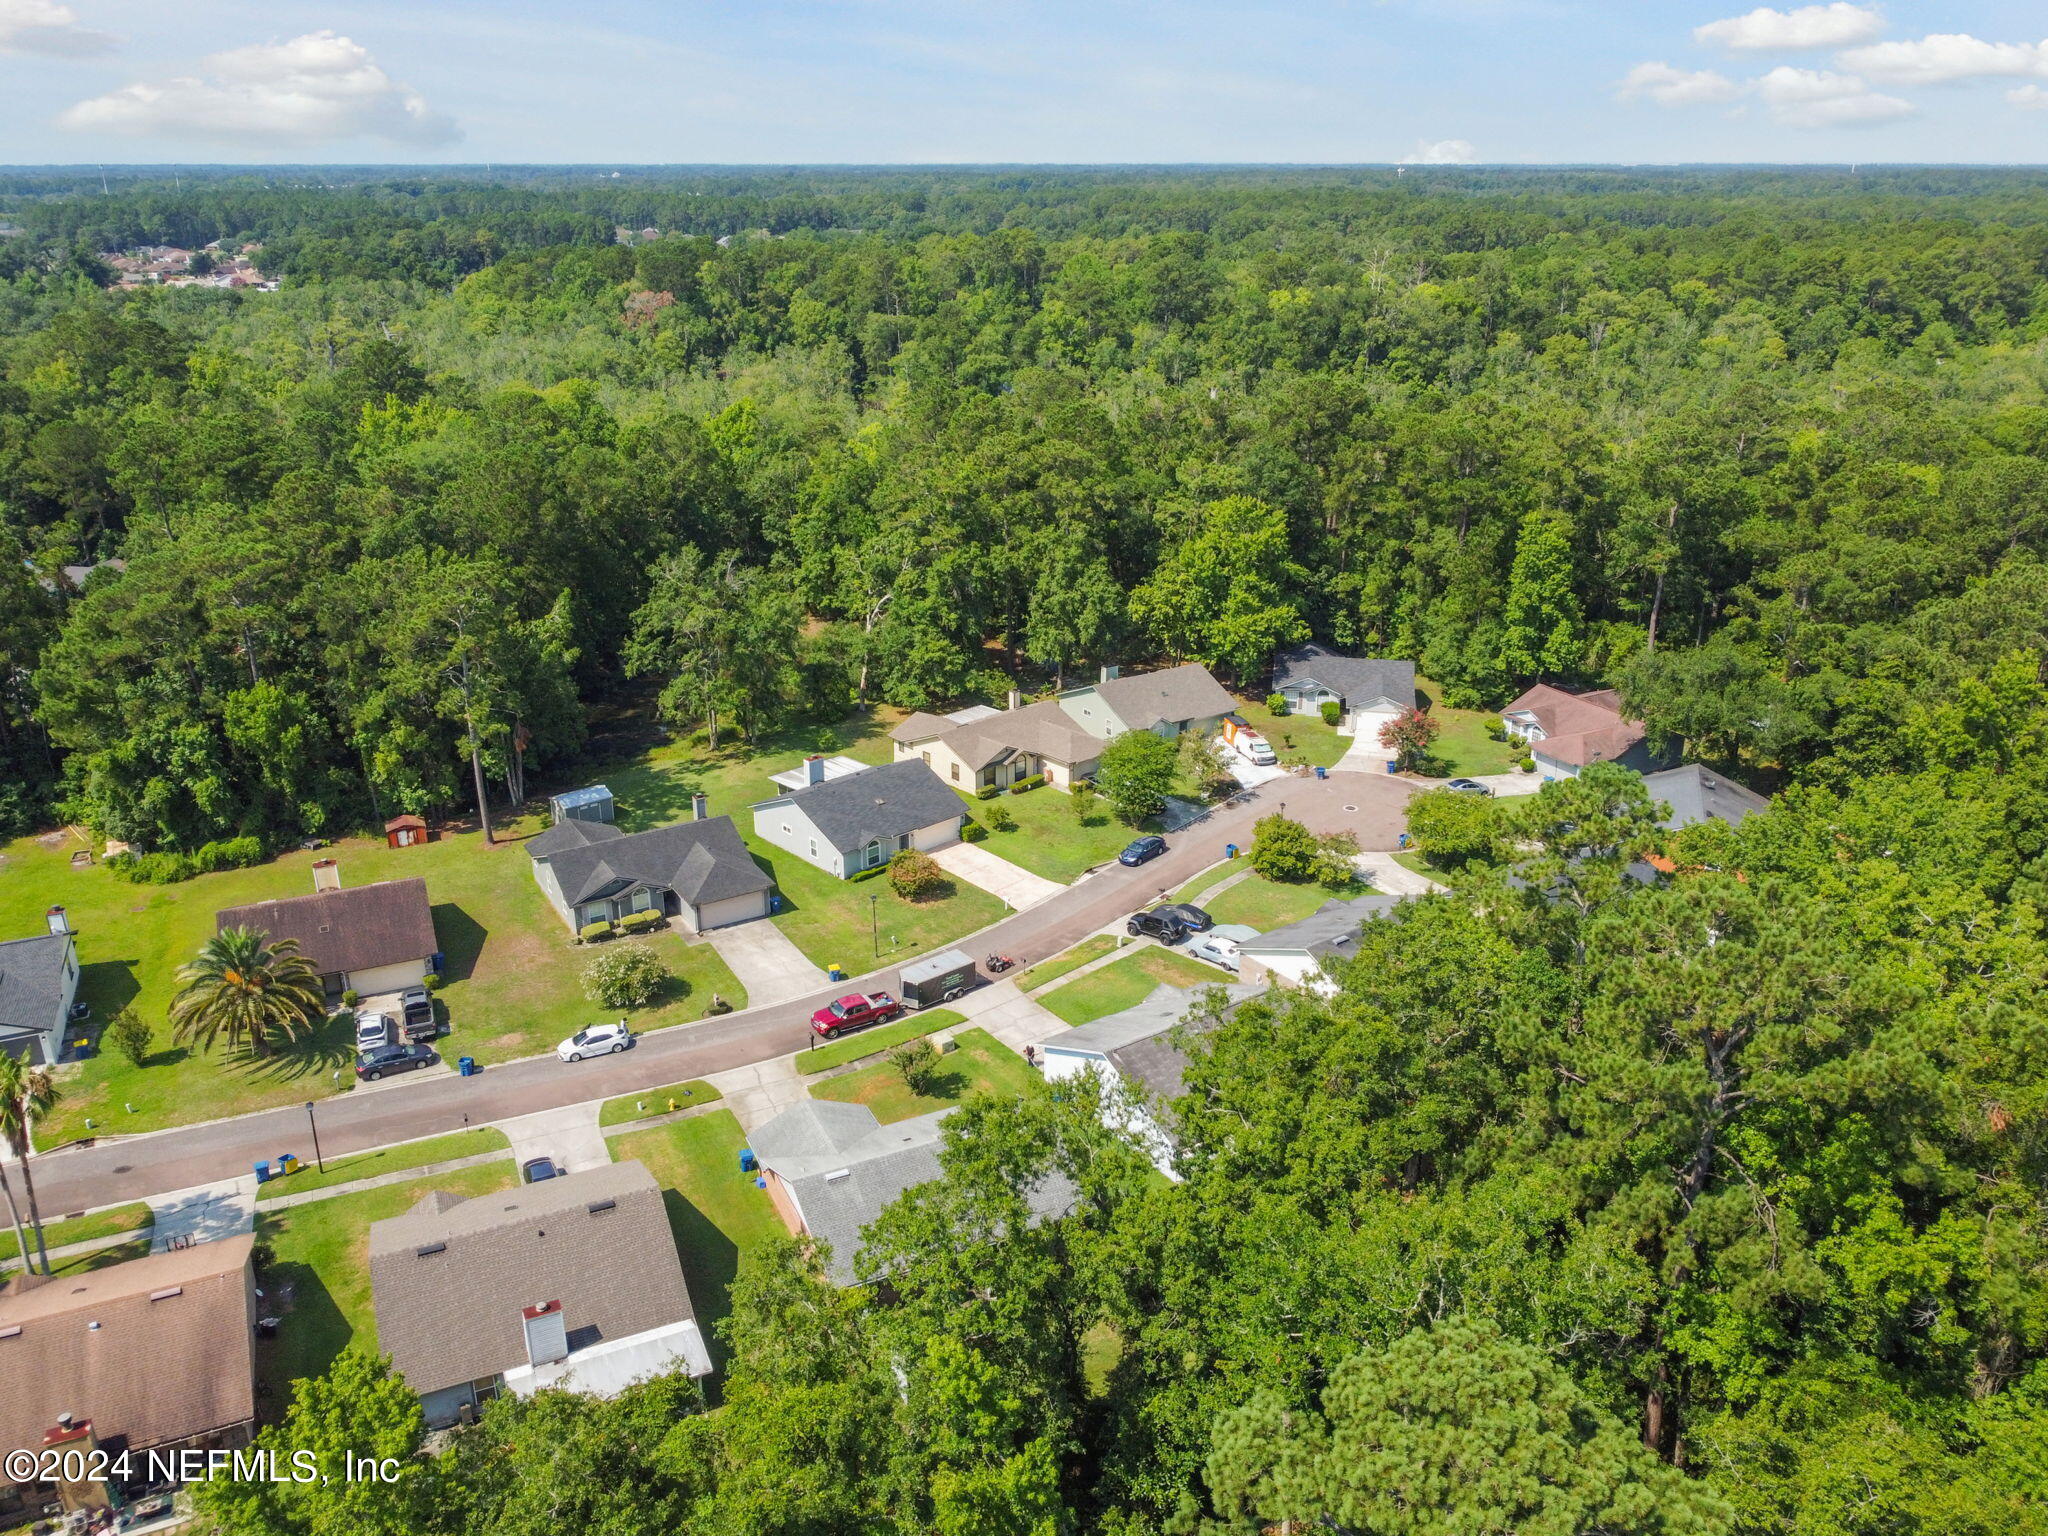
x=263 y=1173
x=1404 y=840
x=1390 y=765
x=774 y=901
x=748 y=1162
x=1230 y=850
x=1321 y=772
x=466 y=1066
x=835 y=974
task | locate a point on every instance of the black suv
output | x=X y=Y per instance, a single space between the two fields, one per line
x=371 y=1065
x=1192 y=918
x=1161 y=923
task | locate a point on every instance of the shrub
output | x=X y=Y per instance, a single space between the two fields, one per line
x=974 y=832
x=1284 y=849
x=1000 y=820
x=629 y=976
x=640 y=922
x=168 y=868
x=1495 y=731
x=988 y=791
x=130 y=1033
x=866 y=874
x=914 y=875
x=917 y=1062
x=590 y=933
x=1409 y=736
x=431 y=981
x=350 y=998
x=1528 y=764
x=1277 y=703
x=1332 y=711
x=1081 y=794
x=1024 y=786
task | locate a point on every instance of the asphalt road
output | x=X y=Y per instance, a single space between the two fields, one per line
x=134 y=1167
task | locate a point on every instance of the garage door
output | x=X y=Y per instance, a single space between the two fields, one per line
x=1366 y=726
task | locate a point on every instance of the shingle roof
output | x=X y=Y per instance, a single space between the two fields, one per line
x=450 y=1278
x=1332 y=929
x=1138 y=1042
x=883 y=802
x=32 y=981
x=352 y=929
x=1356 y=679
x=922 y=726
x=701 y=861
x=1185 y=692
x=96 y=1346
x=1043 y=729
x=1579 y=728
x=1695 y=793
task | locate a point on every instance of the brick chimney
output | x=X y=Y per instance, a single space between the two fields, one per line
x=326 y=874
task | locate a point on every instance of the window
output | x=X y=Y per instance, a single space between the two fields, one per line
x=956 y=772
x=903 y=843
x=927 y=759
x=874 y=854
x=814 y=846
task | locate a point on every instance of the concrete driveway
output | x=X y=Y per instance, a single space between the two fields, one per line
x=768 y=964
x=569 y=1136
x=996 y=875
x=1506 y=784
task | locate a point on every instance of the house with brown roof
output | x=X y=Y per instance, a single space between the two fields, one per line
x=367 y=939
x=572 y=1283
x=1566 y=732
x=157 y=1354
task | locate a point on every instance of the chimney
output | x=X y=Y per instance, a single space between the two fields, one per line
x=326 y=875
x=1111 y=671
x=814 y=769
x=700 y=808
x=547 y=1335
x=58 y=922
x=1016 y=700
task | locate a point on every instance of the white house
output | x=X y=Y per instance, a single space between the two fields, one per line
x=1294 y=955
x=858 y=822
x=1370 y=691
x=38 y=985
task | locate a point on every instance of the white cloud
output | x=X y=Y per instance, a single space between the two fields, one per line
x=1670 y=87
x=1807 y=26
x=1945 y=57
x=1441 y=152
x=45 y=27
x=2032 y=97
x=1819 y=98
x=314 y=88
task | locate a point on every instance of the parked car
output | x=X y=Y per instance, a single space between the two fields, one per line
x=374 y=1030
x=1142 y=851
x=1219 y=945
x=598 y=1040
x=1192 y=918
x=371 y=1065
x=1467 y=787
x=1161 y=923
x=418 y=1014
x=538 y=1169
x=856 y=1010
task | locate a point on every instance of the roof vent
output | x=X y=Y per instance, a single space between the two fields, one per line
x=598 y=1207
x=167 y=1293
x=13 y=1331
x=837 y=1174
x=430 y=1250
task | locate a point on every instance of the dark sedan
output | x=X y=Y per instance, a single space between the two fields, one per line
x=371 y=1065
x=1144 y=850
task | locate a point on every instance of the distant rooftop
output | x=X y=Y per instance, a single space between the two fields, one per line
x=832 y=768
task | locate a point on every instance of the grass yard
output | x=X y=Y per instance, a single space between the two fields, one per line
x=78 y=1229
x=100 y=1258
x=1049 y=839
x=368 y=1165
x=714 y=1210
x=980 y=1063
x=1093 y=947
x=1463 y=747
x=1297 y=738
x=1268 y=904
x=823 y=1058
x=1126 y=983
x=657 y=1101
x=322 y=1251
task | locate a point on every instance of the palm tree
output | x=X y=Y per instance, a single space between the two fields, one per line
x=26 y=1094
x=14 y=1215
x=243 y=985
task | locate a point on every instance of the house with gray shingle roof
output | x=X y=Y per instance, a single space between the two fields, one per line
x=1370 y=690
x=1697 y=794
x=38 y=984
x=1294 y=954
x=1168 y=702
x=696 y=872
x=861 y=821
x=973 y=749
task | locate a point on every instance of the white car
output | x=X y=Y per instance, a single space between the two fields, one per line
x=595 y=1041
x=374 y=1030
x=1219 y=945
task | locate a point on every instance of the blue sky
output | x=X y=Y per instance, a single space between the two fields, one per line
x=912 y=81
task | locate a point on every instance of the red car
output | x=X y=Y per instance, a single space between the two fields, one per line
x=856 y=1010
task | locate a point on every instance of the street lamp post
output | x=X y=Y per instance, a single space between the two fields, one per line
x=875 y=921
x=318 y=1161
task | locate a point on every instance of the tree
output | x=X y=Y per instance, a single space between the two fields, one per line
x=1542 y=634
x=625 y=976
x=915 y=1062
x=244 y=987
x=724 y=635
x=131 y=1034
x=1452 y=830
x=915 y=875
x=26 y=1094
x=1197 y=761
x=1451 y=1428
x=1228 y=594
x=1284 y=849
x=1409 y=736
x=1136 y=773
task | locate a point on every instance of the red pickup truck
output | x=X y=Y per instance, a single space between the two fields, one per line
x=856 y=1010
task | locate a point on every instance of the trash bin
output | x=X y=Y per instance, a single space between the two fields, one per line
x=263 y=1173
x=1230 y=850
x=1321 y=772
x=748 y=1162
x=466 y=1066
x=1390 y=765
x=287 y=1162
x=774 y=901
x=1404 y=840
x=833 y=973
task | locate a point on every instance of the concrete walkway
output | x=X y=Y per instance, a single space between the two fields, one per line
x=1364 y=755
x=205 y=1213
x=379 y=1180
x=568 y=1135
x=1392 y=878
x=768 y=964
x=1013 y=1017
x=996 y=875
x=757 y=1094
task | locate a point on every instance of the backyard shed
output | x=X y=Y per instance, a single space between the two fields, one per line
x=405 y=831
x=591 y=803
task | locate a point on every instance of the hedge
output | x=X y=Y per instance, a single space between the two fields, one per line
x=1024 y=785
x=589 y=933
x=867 y=874
x=988 y=791
x=640 y=922
x=169 y=868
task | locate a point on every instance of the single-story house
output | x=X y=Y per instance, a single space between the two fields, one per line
x=1371 y=691
x=1697 y=794
x=367 y=939
x=158 y=1353
x=38 y=984
x=697 y=872
x=1566 y=732
x=830 y=1169
x=1167 y=702
x=1294 y=954
x=846 y=825
x=572 y=1282
x=974 y=748
x=1134 y=1051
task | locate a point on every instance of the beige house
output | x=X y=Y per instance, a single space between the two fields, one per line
x=367 y=939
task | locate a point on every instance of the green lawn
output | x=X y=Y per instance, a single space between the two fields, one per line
x=656 y=1101
x=1268 y=904
x=1126 y=983
x=1416 y=862
x=714 y=1210
x=1049 y=839
x=979 y=1063
x=1463 y=747
x=367 y=1165
x=822 y=1058
x=79 y=1229
x=322 y=1251
x=100 y=1258
x=1093 y=947
x=1297 y=738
